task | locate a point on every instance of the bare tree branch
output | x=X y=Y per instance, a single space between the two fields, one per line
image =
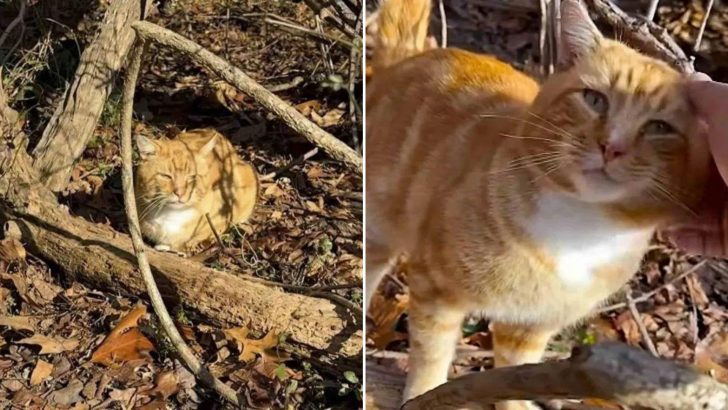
x=299 y=123
x=609 y=371
x=127 y=178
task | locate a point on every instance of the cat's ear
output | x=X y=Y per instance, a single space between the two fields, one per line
x=147 y=147
x=579 y=34
x=208 y=147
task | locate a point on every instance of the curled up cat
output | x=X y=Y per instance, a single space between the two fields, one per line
x=179 y=181
x=531 y=203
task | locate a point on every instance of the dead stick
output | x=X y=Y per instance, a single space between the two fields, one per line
x=443 y=23
x=608 y=371
x=294 y=119
x=641 y=326
x=703 y=25
x=655 y=291
x=185 y=353
x=652 y=10
x=645 y=35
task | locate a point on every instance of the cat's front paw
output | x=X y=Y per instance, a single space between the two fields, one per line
x=162 y=248
x=168 y=249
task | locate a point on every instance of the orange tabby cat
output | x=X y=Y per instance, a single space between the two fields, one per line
x=530 y=203
x=178 y=181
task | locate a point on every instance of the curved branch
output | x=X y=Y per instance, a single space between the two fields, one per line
x=608 y=371
x=294 y=119
x=160 y=309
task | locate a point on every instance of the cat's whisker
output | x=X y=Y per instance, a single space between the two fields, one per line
x=556 y=127
x=548 y=171
x=549 y=140
x=535 y=156
x=662 y=189
x=525 y=121
x=528 y=165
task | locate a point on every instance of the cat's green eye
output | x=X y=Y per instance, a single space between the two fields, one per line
x=596 y=101
x=657 y=127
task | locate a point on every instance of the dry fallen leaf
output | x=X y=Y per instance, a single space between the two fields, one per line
x=166 y=385
x=69 y=394
x=125 y=342
x=249 y=348
x=603 y=404
x=385 y=312
x=49 y=345
x=711 y=355
x=42 y=370
x=11 y=250
x=17 y=322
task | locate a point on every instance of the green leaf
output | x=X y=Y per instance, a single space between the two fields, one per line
x=281 y=373
x=351 y=377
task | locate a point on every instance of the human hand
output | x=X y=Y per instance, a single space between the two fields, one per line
x=707 y=232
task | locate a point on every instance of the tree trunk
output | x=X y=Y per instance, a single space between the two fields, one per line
x=74 y=121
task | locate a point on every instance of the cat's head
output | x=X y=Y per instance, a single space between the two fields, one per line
x=170 y=172
x=622 y=121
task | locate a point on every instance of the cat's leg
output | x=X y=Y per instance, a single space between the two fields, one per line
x=519 y=344
x=434 y=330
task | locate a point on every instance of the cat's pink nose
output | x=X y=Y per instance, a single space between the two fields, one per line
x=179 y=192
x=612 y=151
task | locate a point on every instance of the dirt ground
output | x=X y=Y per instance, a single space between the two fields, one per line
x=682 y=300
x=61 y=342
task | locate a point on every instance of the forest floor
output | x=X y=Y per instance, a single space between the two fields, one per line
x=57 y=335
x=682 y=301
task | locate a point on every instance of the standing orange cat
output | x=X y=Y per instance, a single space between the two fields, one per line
x=530 y=203
x=181 y=180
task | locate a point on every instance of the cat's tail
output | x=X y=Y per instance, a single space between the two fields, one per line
x=402 y=27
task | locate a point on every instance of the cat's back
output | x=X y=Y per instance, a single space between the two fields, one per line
x=229 y=178
x=426 y=124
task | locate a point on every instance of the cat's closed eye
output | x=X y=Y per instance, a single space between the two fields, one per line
x=165 y=176
x=657 y=127
x=596 y=101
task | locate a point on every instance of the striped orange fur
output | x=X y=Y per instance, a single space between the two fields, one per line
x=531 y=203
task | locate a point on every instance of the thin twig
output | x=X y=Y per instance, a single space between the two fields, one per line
x=543 y=33
x=214 y=232
x=312 y=33
x=443 y=23
x=703 y=25
x=301 y=159
x=17 y=20
x=653 y=292
x=652 y=10
x=295 y=82
x=184 y=352
x=641 y=326
x=340 y=300
x=354 y=111
x=556 y=22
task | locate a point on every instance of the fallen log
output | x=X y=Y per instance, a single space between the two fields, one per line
x=73 y=123
x=609 y=371
x=103 y=258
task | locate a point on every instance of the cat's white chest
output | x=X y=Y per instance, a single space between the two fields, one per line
x=580 y=238
x=170 y=221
